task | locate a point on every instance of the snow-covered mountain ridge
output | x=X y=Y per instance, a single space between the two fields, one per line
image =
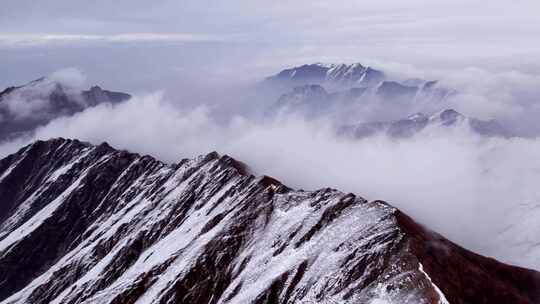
x=90 y=224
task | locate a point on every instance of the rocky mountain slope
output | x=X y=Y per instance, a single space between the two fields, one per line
x=90 y=224
x=339 y=78
x=314 y=100
x=414 y=124
x=341 y=75
x=345 y=92
x=24 y=108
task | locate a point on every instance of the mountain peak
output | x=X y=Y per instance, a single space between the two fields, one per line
x=333 y=74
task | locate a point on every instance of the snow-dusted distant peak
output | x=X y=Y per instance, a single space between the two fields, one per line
x=447 y=117
x=340 y=75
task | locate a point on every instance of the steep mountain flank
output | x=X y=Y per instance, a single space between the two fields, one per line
x=90 y=224
x=342 y=75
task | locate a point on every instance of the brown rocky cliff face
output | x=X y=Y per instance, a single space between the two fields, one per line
x=89 y=224
x=466 y=277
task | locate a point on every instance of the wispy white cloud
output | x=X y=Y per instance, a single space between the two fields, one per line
x=33 y=39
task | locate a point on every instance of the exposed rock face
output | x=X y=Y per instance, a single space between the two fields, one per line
x=24 y=108
x=90 y=224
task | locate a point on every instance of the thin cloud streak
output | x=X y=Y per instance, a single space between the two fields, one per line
x=38 y=39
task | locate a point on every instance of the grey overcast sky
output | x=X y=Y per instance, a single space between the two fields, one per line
x=147 y=45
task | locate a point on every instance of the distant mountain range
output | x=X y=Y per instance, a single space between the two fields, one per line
x=413 y=124
x=339 y=77
x=26 y=107
x=342 y=92
x=346 y=92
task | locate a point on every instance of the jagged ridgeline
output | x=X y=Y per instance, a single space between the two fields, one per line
x=27 y=107
x=90 y=224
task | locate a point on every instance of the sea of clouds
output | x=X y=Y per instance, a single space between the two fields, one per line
x=479 y=192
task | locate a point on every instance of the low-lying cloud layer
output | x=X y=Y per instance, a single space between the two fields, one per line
x=462 y=185
x=33 y=102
